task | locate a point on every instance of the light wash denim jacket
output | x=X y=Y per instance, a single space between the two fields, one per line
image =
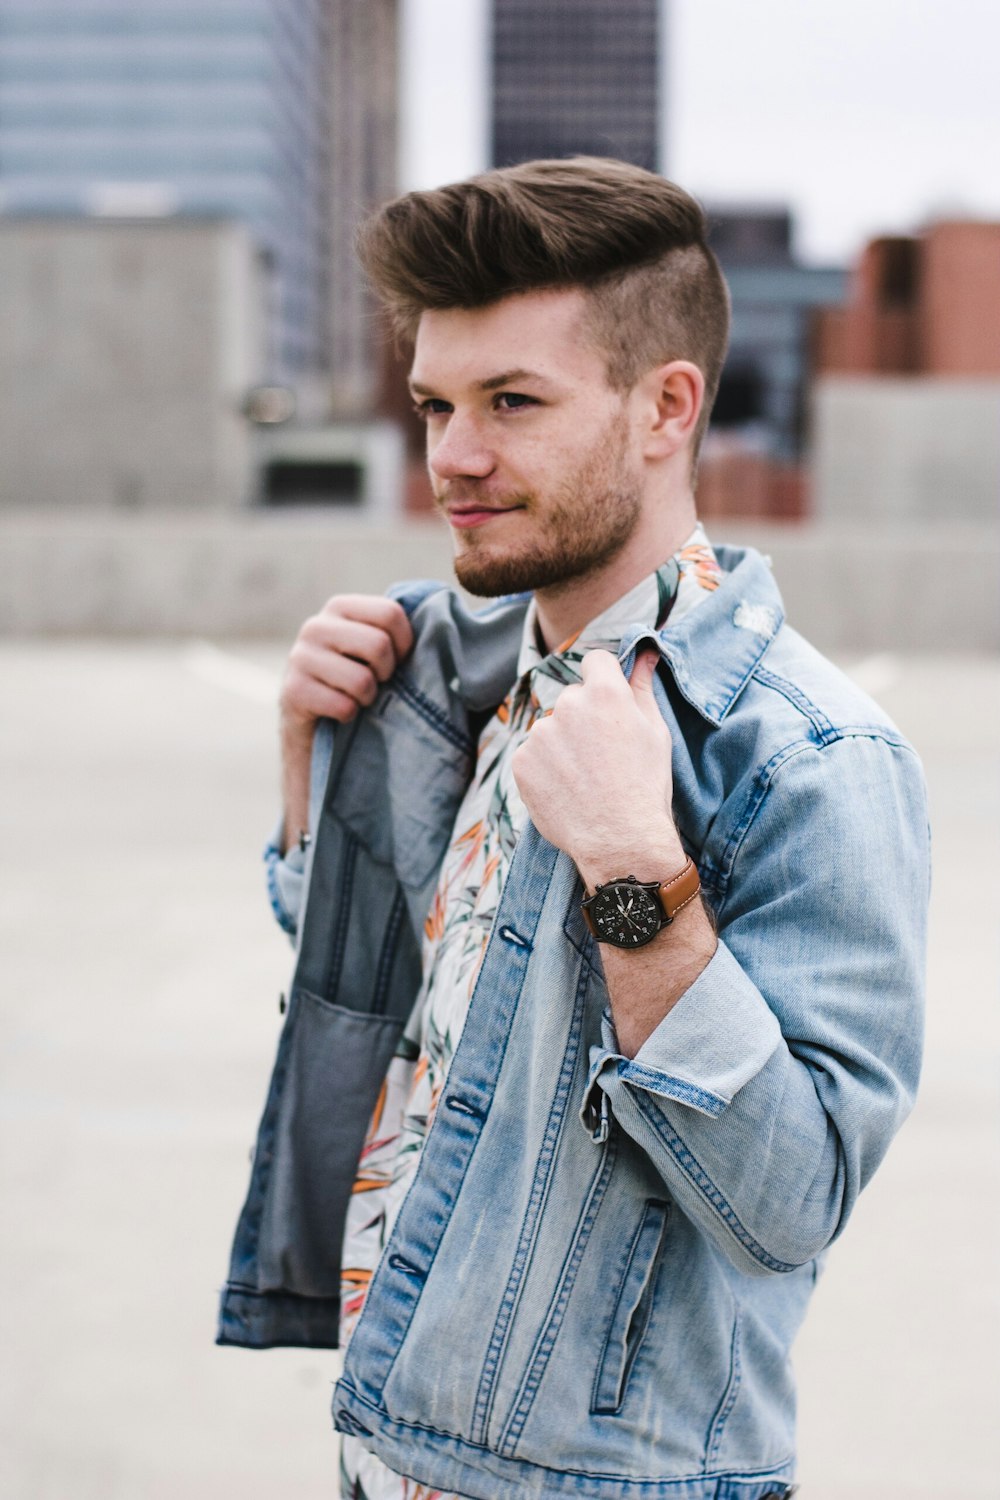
x=615 y=1254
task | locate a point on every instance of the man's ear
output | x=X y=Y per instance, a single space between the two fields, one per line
x=673 y=397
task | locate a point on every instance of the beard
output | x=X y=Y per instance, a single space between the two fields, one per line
x=582 y=525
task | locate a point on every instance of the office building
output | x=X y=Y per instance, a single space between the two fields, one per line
x=154 y=108
x=576 y=76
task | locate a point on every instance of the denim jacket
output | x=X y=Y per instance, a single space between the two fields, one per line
x=616 y=1253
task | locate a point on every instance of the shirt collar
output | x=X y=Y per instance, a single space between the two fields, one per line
x=667 y=594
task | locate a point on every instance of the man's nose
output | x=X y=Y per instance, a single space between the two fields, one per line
x=460 y=450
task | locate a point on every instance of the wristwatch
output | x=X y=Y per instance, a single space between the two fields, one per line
x=628 y=913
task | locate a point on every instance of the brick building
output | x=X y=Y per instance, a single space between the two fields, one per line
x=906 y=402
x=926 y=304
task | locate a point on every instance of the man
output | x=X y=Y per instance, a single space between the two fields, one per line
x=609 y=903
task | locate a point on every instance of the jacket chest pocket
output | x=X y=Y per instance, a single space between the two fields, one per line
x=632 y=1309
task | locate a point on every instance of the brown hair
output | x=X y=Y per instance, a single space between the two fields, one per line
x=634 y=242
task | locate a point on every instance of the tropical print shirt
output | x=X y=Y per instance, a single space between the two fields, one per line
x=456 y=933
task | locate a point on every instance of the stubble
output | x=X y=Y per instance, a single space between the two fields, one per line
x=581 y=526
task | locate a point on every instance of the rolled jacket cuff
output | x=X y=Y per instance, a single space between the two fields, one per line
x=285 y=874
x=716 y=1038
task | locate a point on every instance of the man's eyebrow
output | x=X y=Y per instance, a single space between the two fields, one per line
x=492 y=383
x=512 y=377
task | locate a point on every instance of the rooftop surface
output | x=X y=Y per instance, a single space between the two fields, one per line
x=137 y=1028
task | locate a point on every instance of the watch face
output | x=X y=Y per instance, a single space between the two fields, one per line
x=626 y=915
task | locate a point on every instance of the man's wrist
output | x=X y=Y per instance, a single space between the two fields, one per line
x=656 y=859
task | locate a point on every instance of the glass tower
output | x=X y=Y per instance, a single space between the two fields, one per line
x=139 y=108
x=576 y=77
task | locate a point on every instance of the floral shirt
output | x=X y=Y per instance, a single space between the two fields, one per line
x=456 y=933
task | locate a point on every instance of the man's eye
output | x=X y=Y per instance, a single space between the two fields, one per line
x=432 y=407
x=511 y=401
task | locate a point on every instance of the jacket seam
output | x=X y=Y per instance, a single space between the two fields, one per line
x=758 y=791
x=387 y=956
x=729 y=1395
x=431 y=714
x=338 y=945
x=546 y=1338
x=657 y=1082
x=761 y=1471
x=700 y=1179
x=764 y=780
x=798 y=699
x=524 y=1250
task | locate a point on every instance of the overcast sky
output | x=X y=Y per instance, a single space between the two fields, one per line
x=866 y=115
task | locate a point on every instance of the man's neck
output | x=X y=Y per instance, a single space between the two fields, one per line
x=565 y=609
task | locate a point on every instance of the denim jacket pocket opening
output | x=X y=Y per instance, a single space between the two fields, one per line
x=632 y=1311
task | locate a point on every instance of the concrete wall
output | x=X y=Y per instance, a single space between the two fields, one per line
x=896 y=449
x=857 y=587
x=125 y=350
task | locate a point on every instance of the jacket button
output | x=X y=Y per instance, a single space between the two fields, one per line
x=281 y=1003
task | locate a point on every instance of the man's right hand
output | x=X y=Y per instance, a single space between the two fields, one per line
x=339 y=658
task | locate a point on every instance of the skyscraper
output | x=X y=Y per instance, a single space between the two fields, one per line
x=576 y=76
x=216 y=108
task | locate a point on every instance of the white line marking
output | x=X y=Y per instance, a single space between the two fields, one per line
x=231 y=673
x=875 y=674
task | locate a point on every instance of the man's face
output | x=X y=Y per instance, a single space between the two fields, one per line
x=528 y=446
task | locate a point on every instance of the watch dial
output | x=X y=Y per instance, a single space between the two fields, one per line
x=626 y=915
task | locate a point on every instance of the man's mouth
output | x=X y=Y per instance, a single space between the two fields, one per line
x=476 y=515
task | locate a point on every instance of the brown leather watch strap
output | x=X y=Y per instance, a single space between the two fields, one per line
x=676 y=893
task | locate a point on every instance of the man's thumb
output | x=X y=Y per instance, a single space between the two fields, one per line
x=641 y=683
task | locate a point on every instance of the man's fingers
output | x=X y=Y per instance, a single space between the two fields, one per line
x=333 y=669
x=370 y=644
x=641 y=683
x=375 y=609
x=307 y=699
x=598 y=666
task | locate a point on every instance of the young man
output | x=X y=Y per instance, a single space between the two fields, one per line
x=609 y=903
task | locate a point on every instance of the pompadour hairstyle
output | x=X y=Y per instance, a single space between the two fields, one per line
x=635 y=243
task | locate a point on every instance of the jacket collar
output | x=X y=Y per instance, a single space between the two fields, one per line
x=713 y=651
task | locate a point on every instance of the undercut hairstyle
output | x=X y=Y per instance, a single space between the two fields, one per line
x=634 y=243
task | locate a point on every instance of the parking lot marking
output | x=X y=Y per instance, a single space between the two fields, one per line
x=234 y=674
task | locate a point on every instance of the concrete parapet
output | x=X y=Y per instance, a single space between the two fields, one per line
x=847 y=587
x=898 y=450
x=125 y=352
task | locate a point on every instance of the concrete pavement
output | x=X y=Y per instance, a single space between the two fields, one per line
x=138 y=1019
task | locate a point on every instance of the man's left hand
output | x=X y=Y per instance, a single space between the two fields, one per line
x=595 y=773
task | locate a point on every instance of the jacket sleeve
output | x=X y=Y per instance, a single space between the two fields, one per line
x=770 y=1092
x=288 y=874
x=285 y=882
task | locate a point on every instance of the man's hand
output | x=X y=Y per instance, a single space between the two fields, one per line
x=339 y=658
x=595 y=777
x=595 y=774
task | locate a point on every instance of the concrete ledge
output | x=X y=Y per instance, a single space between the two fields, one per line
x=850 y=587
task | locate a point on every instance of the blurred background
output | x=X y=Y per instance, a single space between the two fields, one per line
x=203 y=434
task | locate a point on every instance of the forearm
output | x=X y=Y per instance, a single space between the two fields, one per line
x=296 y=753
x=646 y=983
x=768 y=1094
x=763 y=1145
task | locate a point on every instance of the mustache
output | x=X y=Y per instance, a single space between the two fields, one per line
x=472 y=492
